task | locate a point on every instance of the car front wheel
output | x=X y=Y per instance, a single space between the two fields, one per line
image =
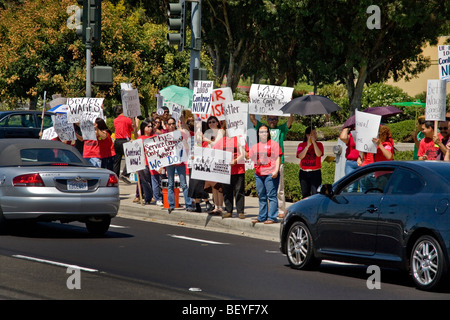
x=428 y=266
x=299 y=247
x=98 y=226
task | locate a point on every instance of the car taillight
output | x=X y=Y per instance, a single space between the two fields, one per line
x=112 y=181
x=28 y=180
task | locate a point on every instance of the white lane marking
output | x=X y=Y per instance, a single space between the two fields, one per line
x=195 y=239
x=55 y=263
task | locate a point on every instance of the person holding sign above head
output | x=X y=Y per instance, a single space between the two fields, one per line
x=124 y=127
x=181 y=171
x=266 y=155
x=278 y=134
x=428 y=150
x=310 y=153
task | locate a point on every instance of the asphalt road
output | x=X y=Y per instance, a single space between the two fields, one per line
x=145 y=260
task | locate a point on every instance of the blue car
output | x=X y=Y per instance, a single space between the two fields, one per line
x=389 y=214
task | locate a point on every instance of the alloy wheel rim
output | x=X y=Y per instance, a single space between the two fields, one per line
x=425 y=262
x=298 y=245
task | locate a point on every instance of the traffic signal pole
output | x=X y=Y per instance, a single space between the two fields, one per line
x=196 y=44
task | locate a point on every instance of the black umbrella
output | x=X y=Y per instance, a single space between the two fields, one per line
x=386 y=111
x=310 y=105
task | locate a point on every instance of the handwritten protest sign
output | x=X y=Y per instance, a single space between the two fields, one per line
x=366 y=128
x=166 y=149
x=134 y=155
x=268 y=99
x=444 y=62
x=211 y=165
x=49 y=134
x=435 y=105
x=63 y=129
x=130 y=103
x=174 y=109
x=202 y=98
x=84 y=109
x=220 y=97
x=236 y=118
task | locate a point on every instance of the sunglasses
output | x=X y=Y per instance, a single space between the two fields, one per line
x=212 y=121
x=171 y=123
x=443 y=128
x=150 y=126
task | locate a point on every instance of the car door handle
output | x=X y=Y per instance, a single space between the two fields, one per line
x=372 y=209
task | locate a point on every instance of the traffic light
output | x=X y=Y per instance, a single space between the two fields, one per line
x=177 y=22
x=91 y=21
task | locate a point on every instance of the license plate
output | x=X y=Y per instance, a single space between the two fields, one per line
x=77 y=185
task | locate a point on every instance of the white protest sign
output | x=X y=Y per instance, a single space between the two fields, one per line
x=63 y=129
x=134 y=155
x=166 y=149
x=87 y=130
x=268 y=99
x=435 y=107
x=49 y=134
x=130 y=103
x=220 y=97
x=366 y=127
x=202 y=98
x=174 y=109
x=84 y=108
x=211 y=165
x=444 y=62
x=236 y=118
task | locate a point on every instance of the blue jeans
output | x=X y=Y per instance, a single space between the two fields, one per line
x=350 y=166
x=267 y=192
x=156 y=186
x=181 y=170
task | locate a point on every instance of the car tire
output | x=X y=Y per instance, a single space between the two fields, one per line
x=427 y=263
x=300 y=247
x=98 y=226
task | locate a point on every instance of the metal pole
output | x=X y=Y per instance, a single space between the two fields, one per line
x=88 y=50
x=195 y=40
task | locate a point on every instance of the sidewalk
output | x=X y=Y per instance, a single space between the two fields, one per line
x=199 y=220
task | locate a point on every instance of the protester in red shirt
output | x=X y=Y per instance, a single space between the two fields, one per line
x=105 y=144
x=385 y=145
x=124 y=127
x=310 y=153
x=428 y=150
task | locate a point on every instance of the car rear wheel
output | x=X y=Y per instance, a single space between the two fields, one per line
x=299 y=247
x=428 y=266
x=98 y=226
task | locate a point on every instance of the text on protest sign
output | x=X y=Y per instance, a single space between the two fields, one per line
x=84 y=109
x=211 y=165
x=366 y=128
x=220 y=97
x=435 y=105
x=236 y=118
x=268 y=99
x=63 y=129
x=202 y=97
x=166 y=149
x=130 y=103
x=134 y=155
x=444 y=62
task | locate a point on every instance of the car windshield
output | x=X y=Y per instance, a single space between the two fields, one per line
x=49 y=155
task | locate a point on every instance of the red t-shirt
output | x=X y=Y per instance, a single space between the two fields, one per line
x=106 y=147
x=310 y=161
x=123 y=127
x=379 y=156
x=91 y=149
x=230 y=144
x=265 y=155
x=351 y=153
x=428 y=147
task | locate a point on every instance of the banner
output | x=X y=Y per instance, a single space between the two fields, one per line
x=366 y=128
x=202 y=98
x=435 y=107
x=211 y=165
x=268 y=99
x=166 y=149
x=134 y=155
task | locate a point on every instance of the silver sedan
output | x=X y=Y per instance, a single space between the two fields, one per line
x=42 y=180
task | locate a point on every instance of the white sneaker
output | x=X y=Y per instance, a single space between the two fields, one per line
x=159 y=203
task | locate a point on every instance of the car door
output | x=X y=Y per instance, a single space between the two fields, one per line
x=348 y=220
x=20 y=125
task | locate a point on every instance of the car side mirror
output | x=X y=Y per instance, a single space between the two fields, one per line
x=326 y=190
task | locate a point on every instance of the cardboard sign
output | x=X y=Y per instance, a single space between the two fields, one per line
x=202 y=98
x=435 y=105
x=134 y=155
x=366 y=128
x=268 y=100
x=236 y=118
x=211 y=165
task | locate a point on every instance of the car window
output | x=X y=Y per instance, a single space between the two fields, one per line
x=51 y=155
x=372 y=182
x=406 y=182
x=19 y=120
x=47 y=121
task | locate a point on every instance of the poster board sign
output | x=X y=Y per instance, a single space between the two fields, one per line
x=63 y=128
x=211 y=165
x=174 y=109
x=268 y=99
x=220 y=97
x=84 y=108
x=202 y=97
x=134 y=155
x=435 y=105
x=444 y=62
x=366 y=128
x=166 y=149
x=236 y=118
x=49 y=134
x=130 y=103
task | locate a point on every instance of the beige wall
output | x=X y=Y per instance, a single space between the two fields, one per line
x=419 y=85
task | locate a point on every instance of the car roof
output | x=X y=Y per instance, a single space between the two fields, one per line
x=10 y=148
x=6 y=112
